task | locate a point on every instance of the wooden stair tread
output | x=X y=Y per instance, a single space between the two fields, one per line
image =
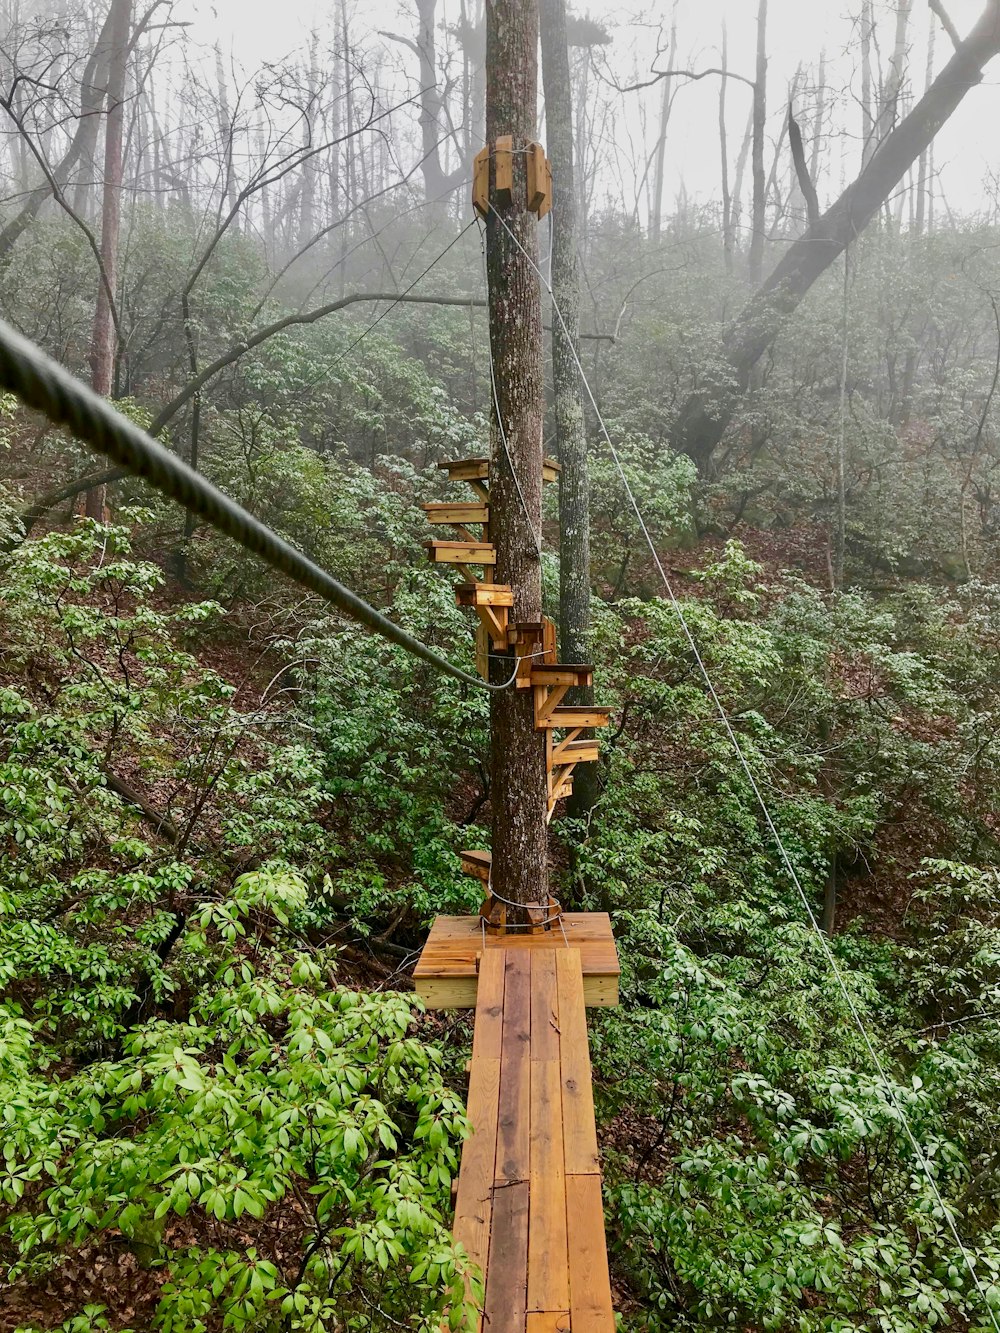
x=484 y=594
x=562 y=673
x=477 y=864
x=577 y=752
x=583 y=716
x=478 y=469
x=528 y=1205
x=470 y=512
x=461 y=553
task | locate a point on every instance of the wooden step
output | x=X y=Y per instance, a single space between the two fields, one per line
x=484 y=594
x=478 y=469
x=477 y=864
x=457 y=513
x=585 y=716
x=562 y=673
x=461 y=553
x=576 y=752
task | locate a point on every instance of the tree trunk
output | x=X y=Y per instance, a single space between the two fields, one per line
x=103 y=344
x=518 y=788
x=727 y=203
x=703 y=419
x=571 y=434
x=867 y=117
x=755 y=261
x=921 y=207
x=656 y=212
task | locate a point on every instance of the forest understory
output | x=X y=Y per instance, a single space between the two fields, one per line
x=229 y=814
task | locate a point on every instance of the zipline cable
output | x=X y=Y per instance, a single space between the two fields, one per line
x=765 y=811
x=41 y=383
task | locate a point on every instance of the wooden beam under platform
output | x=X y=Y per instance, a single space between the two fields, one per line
x=446 y=976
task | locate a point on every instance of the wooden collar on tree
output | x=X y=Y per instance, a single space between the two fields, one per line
x=501 y=153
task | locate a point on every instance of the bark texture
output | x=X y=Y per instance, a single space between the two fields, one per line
x=705 y=416
x=567 y=391
x=518 y=789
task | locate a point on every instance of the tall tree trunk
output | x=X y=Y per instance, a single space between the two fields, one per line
x=103 y=343
x=656 y=212
x=921 y=208
x=703 y=419
x=571 y=434
x=817 y=130
x=755 y=262
x=519 y=787
x=867 y=116
x=727 y=202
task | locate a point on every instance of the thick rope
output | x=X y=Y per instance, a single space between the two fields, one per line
x=41 y=383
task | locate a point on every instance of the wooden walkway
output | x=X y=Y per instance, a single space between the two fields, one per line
x=528 y=1208
x=447 y=973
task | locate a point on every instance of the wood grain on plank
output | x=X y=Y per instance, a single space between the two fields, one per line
x=487 y=1034
x=512 y=1160
x=476 y=1175
x=590 y=1305
x=579 y=1130
x=548 y=1243
x=506 y=1280
x=544 y=1007
x=548 y=1321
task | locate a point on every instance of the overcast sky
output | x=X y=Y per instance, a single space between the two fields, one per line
x=968 y=149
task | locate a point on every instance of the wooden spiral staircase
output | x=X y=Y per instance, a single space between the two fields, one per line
x=528 y=1206
x=568 y=728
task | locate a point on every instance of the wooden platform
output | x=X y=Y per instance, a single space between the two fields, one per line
x=445 y=976
x=528 y=1209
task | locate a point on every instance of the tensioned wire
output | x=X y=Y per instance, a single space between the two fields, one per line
x=748 y=772
x=41 y=383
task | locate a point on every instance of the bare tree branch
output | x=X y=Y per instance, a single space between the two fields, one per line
x=801 y=169
x=937 y=7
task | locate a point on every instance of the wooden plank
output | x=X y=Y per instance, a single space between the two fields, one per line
x=495 y=624
x=478 y=469
x=503 y=157
x=461 y=553
x=459 y=992
x=544 y=1009
x=515 y=1090
x=507 y=1274
x=466 y=469
x=573 y=717
x=484 y=594
x=475 y=1179
x=548 y=1321
x=579 y=1130
x=548 y=1244
x=487 y=1035
x=538 y=180
x=457 y=512
x=477 y=863
x=576 y=752
x=562 y=673
x=481 y=182
x=591 y=1310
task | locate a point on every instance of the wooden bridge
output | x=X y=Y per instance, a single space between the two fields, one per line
x=528 y=1208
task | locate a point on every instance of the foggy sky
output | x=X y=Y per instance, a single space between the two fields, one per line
x=967 y=150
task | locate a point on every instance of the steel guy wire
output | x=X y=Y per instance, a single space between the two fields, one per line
x=765 y=811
